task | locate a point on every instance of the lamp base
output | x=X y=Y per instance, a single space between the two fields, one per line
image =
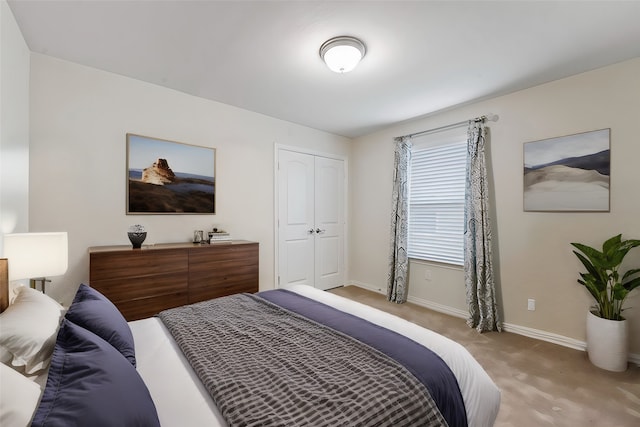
x=43 y=280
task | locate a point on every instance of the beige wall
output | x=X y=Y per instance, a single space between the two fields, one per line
x=14 y=126
x=533 y=254
x=79 y=119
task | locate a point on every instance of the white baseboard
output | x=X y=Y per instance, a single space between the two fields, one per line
x=557 y=339
x=415 y=300
x=507 y=327
x=367 y=287
x=545 y=336
x=440 y=308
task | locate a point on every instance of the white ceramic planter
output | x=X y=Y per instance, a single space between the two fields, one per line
x=607 y=343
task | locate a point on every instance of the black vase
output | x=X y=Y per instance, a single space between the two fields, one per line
x=137 y=239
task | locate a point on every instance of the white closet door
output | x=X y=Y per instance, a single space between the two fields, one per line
x=310 y=220
x=329 y=222
x=296 y=231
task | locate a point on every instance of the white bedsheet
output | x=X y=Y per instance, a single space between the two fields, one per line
x=176 y=390
x=181 y=400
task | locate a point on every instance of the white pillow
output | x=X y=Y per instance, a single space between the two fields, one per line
x=28 y=329
x=18 y=398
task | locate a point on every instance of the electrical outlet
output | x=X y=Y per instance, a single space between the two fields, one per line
x=531 y=304
x=427 y=274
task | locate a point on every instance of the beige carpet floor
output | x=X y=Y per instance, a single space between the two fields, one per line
x=542 y=384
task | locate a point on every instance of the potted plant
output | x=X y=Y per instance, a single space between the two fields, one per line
x=607 y=329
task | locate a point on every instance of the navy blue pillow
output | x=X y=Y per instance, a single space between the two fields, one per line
x=94 y=312
x=91 y=384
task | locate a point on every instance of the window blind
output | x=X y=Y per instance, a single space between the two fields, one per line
x=436 y=202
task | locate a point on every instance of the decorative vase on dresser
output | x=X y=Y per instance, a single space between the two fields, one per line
x=143 y=282
x=137 y=239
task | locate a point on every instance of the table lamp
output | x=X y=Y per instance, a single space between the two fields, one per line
x=36 y=255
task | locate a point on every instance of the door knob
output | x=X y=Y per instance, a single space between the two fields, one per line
x=320 y=231
x=310 y=231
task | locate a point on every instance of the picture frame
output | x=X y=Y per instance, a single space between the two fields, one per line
x=568 y=173
x=169 y=177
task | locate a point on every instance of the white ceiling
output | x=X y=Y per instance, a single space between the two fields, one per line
x=422 y=56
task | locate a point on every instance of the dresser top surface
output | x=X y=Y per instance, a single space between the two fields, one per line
x=160 y=246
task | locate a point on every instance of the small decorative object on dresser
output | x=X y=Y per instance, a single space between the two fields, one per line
x=137 y=234
x=219 y=236
x=198 y=236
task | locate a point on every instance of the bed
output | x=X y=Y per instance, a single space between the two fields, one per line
x=139 y=373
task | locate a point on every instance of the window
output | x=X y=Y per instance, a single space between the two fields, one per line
x=436 y=198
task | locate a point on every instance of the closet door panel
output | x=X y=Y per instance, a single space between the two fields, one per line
x=296 y=219
x=329 y=220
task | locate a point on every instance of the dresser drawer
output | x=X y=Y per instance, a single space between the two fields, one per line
x=150 y=306
x=197 y=294
x=212 y=274
x=223 y=278
x=246 y=254
x=133 y=288
x=140 y=263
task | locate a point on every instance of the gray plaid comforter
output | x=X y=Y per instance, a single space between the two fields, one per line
x=267 y=366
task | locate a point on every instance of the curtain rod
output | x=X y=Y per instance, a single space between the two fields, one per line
x=490 y=117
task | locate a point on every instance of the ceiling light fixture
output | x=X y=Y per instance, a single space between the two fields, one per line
x=342 y=54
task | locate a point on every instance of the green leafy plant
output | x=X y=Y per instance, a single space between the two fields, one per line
x=602 y=278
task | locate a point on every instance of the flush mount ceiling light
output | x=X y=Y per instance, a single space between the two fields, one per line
x=342 y=54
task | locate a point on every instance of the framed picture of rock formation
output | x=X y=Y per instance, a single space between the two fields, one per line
x=167 y=177
x=568 y=173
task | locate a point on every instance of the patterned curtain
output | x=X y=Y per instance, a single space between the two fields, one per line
x=398 y=259
x=478 y=265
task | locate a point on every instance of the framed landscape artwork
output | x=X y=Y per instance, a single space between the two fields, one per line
x=166 y=177
x=568 y=173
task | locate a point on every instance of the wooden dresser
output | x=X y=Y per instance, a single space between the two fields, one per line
x=143 y=282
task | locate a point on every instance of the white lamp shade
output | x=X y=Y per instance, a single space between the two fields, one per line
x=34 y=255
x=342 y=54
